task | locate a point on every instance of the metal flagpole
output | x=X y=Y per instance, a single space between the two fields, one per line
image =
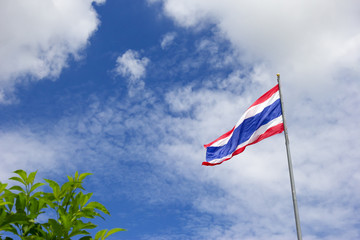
x=292 y=182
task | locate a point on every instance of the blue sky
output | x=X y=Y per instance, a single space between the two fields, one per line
x=131 y=90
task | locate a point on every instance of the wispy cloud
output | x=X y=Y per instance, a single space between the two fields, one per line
x=320 y=85
x=167 y=40
x=31 y=150
x=39 y=38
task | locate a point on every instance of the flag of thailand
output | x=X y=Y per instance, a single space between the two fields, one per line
x=262 y=120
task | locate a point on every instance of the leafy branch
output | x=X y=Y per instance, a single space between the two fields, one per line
x=21 y=205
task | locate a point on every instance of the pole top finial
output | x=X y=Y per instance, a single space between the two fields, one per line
x=278 y=74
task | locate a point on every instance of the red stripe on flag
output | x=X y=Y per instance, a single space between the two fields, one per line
x=221 y=137
x=270 y=132
x=262 y=99
x=266 y=95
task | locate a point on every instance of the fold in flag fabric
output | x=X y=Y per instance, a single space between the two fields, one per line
x=262 y=120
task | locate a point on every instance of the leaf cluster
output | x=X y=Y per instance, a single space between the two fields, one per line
x=21 y=205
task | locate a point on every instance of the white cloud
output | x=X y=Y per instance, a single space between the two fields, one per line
x=38 y=38
x=132 y=66
x=303 y=40
x=32 y=151
x=168 y=40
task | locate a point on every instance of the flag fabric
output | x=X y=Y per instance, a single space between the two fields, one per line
x=262 y=120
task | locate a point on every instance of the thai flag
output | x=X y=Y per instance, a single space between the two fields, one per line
x=262 y=120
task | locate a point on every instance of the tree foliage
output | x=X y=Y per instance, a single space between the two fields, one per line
x=22 y=204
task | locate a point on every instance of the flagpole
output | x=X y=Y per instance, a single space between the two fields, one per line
x=292 y=182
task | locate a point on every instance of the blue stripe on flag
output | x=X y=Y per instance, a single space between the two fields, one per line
x=244 y=131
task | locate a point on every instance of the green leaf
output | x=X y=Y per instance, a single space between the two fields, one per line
x=79 y=228
x=114 y=230
x=85 y=199
x=100 y=234
x=20 y=203
x=50 y=200
x=9 y=228
x=23 y=175
x=55 y=187
x=2 y=187
x=70 y=179
x=67 y=187
x=18 y=218
x=98 y=206
x=34 y=208
x=35 y=186
x=56 y=227
x=52 y=184
x=83 y=175
x=66 y=221
x=9 y=197
x=17 y=179
x=5 y=203
x=42 y=203
x=37 y=195
x=78 y=232
x=31 y=177
x=86 y=238
x=17 y=188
